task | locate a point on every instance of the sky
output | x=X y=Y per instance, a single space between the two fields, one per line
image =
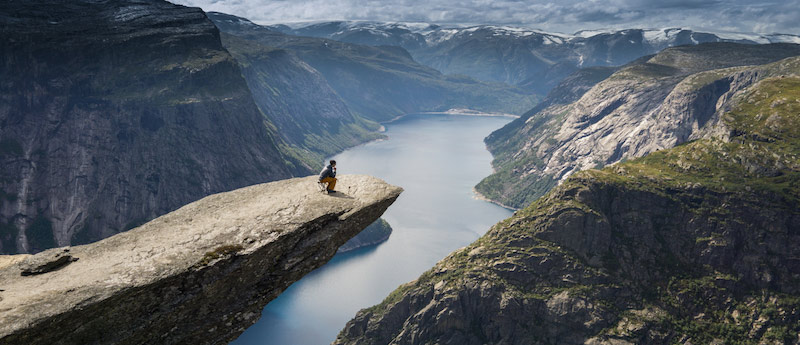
x=567 y=16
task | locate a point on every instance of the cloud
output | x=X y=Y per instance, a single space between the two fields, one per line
x=565 y=15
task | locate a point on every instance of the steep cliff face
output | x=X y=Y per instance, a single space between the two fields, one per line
x=115 y=112
x=380 y=83
x=569 y=90
x=696 y=244
x=199 y=275
x=307 y=113
x=654 y=103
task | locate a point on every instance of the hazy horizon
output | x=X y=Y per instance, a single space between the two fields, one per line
x=764 y=17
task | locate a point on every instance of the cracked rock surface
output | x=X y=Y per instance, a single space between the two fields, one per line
x=200 y=275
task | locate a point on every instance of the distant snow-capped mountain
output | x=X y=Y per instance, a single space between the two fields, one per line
x=434 y=34
x=534 y=59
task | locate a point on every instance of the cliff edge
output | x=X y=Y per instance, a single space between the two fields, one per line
x=199 y=275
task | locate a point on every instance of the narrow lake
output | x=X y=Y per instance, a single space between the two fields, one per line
x=437 y=159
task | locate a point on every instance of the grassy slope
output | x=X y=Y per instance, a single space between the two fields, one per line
x=762 y=154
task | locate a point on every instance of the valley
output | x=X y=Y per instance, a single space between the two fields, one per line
x=697 y=243
x=435 y=215
x=157 y=162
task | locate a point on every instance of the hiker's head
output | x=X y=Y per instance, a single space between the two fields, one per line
x=333 y=162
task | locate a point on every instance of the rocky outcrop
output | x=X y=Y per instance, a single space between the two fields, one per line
x=655 y=103
x=696 y=244
x=115 y=112
x=381 y=83
x=568 y=91
x=198 y=275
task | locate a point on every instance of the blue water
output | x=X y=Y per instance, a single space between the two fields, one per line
x=437 y=159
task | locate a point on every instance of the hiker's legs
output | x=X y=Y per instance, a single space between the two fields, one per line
x=331 y=181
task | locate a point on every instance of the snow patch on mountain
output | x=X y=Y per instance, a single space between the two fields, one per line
x=784 y=38
x=592 y=33
x=434 y=34
x=662 y=36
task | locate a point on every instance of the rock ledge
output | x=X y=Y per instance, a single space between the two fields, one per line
x=198 y=275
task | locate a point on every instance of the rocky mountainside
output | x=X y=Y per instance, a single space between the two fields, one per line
x=569 y=90
x=698 y=244
x=199 y=275
x=654 y=103
x=380 y=83
x=533 y=59
x=115 y=112
x=307 y=112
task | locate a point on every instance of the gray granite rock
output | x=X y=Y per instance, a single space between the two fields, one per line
x=115 y=112
x=198 y=275
x=655 y=103
x=47 y=261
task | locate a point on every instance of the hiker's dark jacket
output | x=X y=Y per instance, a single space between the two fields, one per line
x=327 y=172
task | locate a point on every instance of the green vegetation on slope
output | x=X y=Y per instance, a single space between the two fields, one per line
x=308 y=114
x=381 y=83
x=678 y=87
x=695 y=244
x=761 y=158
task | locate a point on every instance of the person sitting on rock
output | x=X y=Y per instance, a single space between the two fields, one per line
x=328 y=175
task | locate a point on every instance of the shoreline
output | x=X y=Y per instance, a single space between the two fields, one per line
x=344 y=249
x=470 y=112
x=385 y=137
x=477 y=195
x=462 y=112
x=454 y=111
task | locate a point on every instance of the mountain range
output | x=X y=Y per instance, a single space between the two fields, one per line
x=382 y=82
x=533 y=59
